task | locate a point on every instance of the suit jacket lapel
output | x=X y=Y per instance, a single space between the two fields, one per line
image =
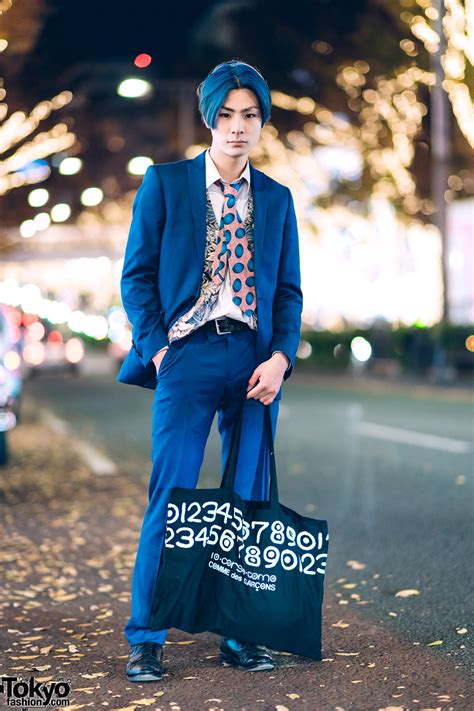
x=260 y=201
x=197 y=195
x=197 y=192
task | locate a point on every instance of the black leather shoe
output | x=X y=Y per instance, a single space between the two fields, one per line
x=144 y=662
x=245 y=655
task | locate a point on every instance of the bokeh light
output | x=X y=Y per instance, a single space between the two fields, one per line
x=92 y=196
x=139 y=165
x=142 y=60
x=60 y=212
x=70 y=166
x=38 y=197
x=133 y=88
x=361 y=349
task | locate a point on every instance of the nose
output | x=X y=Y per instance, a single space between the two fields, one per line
x=237 y=125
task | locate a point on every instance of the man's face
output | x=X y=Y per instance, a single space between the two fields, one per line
x=239 y=119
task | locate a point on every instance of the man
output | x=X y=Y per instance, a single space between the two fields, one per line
x=211 y=286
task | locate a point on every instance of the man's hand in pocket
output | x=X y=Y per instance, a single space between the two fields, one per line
x=158 y=357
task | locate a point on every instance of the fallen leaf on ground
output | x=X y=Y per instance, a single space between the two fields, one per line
x=347 y=654
x=104 y=615
x=144 y=702
x=461 y=630
x=31 y=639
x=355 y=565
x=407 y=593
x=43 y=667
x=340 y=624
x=94 y=675
x=432 y=644
x=61 y=596
x=293 y=696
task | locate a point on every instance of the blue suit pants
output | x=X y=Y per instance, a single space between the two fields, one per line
x=201 y=374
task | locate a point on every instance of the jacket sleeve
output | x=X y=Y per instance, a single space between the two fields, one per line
x=288 y=300
x=139 y=280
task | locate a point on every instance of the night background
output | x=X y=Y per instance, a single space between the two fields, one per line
x=372 y=129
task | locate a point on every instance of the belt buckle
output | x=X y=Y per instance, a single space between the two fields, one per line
x=221 y=333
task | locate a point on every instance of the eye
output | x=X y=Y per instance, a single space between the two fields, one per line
x=252 y=115
x=223 y=113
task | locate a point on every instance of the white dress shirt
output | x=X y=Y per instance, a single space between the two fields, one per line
x=224 y=305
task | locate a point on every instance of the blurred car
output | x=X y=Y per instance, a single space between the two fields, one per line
x=46 y=349
x=10 y=377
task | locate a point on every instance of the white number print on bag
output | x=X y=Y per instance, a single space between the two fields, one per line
x=259 y=544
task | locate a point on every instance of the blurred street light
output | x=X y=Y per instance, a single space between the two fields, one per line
x=361 y=349
x=133 y=88
x=142 y=60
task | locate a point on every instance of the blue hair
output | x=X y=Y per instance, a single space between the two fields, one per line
x=229 y=75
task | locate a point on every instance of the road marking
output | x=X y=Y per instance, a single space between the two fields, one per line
x=97 y=462
x=419 y=439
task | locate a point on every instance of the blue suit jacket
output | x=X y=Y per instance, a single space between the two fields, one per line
x=164 y=260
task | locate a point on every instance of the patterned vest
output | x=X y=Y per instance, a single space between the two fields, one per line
x=199 y=313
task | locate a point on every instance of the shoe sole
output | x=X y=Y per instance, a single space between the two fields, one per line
x=264 y=666
x=144 y=677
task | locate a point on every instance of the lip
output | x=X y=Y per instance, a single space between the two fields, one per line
x=237 y=143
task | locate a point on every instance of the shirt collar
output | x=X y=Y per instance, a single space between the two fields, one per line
x=212 y=174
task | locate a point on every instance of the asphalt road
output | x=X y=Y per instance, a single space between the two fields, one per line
x=390 y=470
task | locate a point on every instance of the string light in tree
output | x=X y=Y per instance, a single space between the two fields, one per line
x=458 y=27
x=388 y=110
x=17 y=127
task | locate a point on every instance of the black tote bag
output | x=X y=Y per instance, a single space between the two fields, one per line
x=252 y=570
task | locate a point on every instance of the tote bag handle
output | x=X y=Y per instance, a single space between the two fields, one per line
x=228 y=479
